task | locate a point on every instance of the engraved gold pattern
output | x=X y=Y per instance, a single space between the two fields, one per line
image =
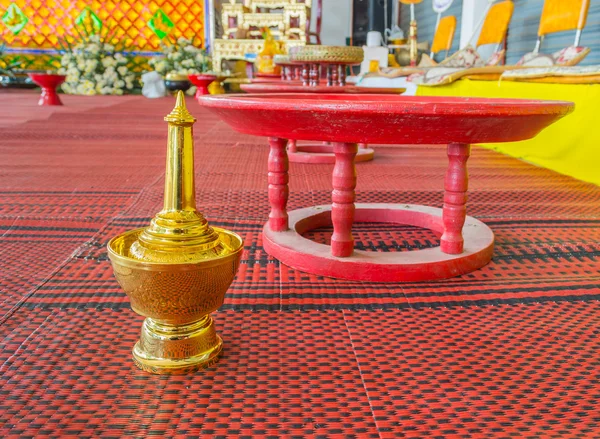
x=177 y=270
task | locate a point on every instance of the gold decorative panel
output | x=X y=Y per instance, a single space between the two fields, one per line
x=137 y=22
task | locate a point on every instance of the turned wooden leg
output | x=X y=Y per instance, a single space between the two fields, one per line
x=278 y=184
x=334 y=74
x=455 y=198
x=328 y=67
x=342 y=197
x=292 y=146
x=315 y=75
x=305 y=75
x=342 y=75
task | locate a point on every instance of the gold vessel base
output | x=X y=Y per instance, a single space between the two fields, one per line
x=166 y=349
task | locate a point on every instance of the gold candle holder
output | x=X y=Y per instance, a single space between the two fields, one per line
x=177 y=271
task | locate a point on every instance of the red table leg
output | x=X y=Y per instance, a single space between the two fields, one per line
x=278 y=184
x=342 y=207
x=334 y=74
x=305 y=75
x=292 y=146
x=455 y=198
x=315 y=75
x=342 y=75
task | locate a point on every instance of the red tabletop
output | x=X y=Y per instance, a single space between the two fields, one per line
x=386 y=119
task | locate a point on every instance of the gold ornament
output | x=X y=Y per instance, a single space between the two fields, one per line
x=177 y=271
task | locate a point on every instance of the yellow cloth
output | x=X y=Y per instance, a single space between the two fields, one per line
x=571 y=146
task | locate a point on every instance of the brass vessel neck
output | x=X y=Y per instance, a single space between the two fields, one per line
x=178 y=228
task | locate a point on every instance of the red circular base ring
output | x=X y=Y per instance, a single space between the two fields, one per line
x=421 y=265
x=320 y=153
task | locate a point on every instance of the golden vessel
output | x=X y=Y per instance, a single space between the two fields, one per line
x=177 y=271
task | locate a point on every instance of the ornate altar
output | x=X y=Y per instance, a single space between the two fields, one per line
x=236 y=49
x=288 y=21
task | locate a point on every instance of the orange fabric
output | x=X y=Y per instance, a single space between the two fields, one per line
x=444 y=34
x=496 y=23
x=410 y=2
x=563 y=15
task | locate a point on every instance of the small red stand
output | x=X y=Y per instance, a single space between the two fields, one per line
x=466 y=244
x=202 y=81
x=49 y=84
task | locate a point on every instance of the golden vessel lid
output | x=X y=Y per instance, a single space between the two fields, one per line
x=179 y=233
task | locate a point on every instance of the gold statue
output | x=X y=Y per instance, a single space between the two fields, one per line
x=177 y=270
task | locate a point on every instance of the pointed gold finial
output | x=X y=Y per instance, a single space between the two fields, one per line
x=180 y=114
x=178 y=233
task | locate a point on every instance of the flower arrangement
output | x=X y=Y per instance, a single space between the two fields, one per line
x=181 y=57
x=95 y=66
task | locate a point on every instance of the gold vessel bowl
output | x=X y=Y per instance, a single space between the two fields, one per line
x=175 y=293
x=177 y=270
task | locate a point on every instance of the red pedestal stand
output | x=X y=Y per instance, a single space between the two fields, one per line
x=466 y=243
x=202 y=81
x=49 y=84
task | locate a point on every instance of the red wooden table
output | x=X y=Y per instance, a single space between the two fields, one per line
x=466 y=243
x=318 y=153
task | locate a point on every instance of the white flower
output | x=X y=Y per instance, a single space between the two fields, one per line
x=122 y=70
x=108 y=61
x=90 y=65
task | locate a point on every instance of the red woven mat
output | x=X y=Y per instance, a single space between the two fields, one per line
x=510 y=350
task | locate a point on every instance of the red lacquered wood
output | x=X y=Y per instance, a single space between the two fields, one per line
x=322 y=154
x=456 y=185
x=314 y=75
x=202 y=81
x=268 y=75
x=333 y=69
x=342 y=197
x=305 y=75
x=292 y=147
x=267 y=80
x=387 y=119
x=297 y=87
x=49 y=83
x=292 y=249
x=278 y=184
x=342 y=76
